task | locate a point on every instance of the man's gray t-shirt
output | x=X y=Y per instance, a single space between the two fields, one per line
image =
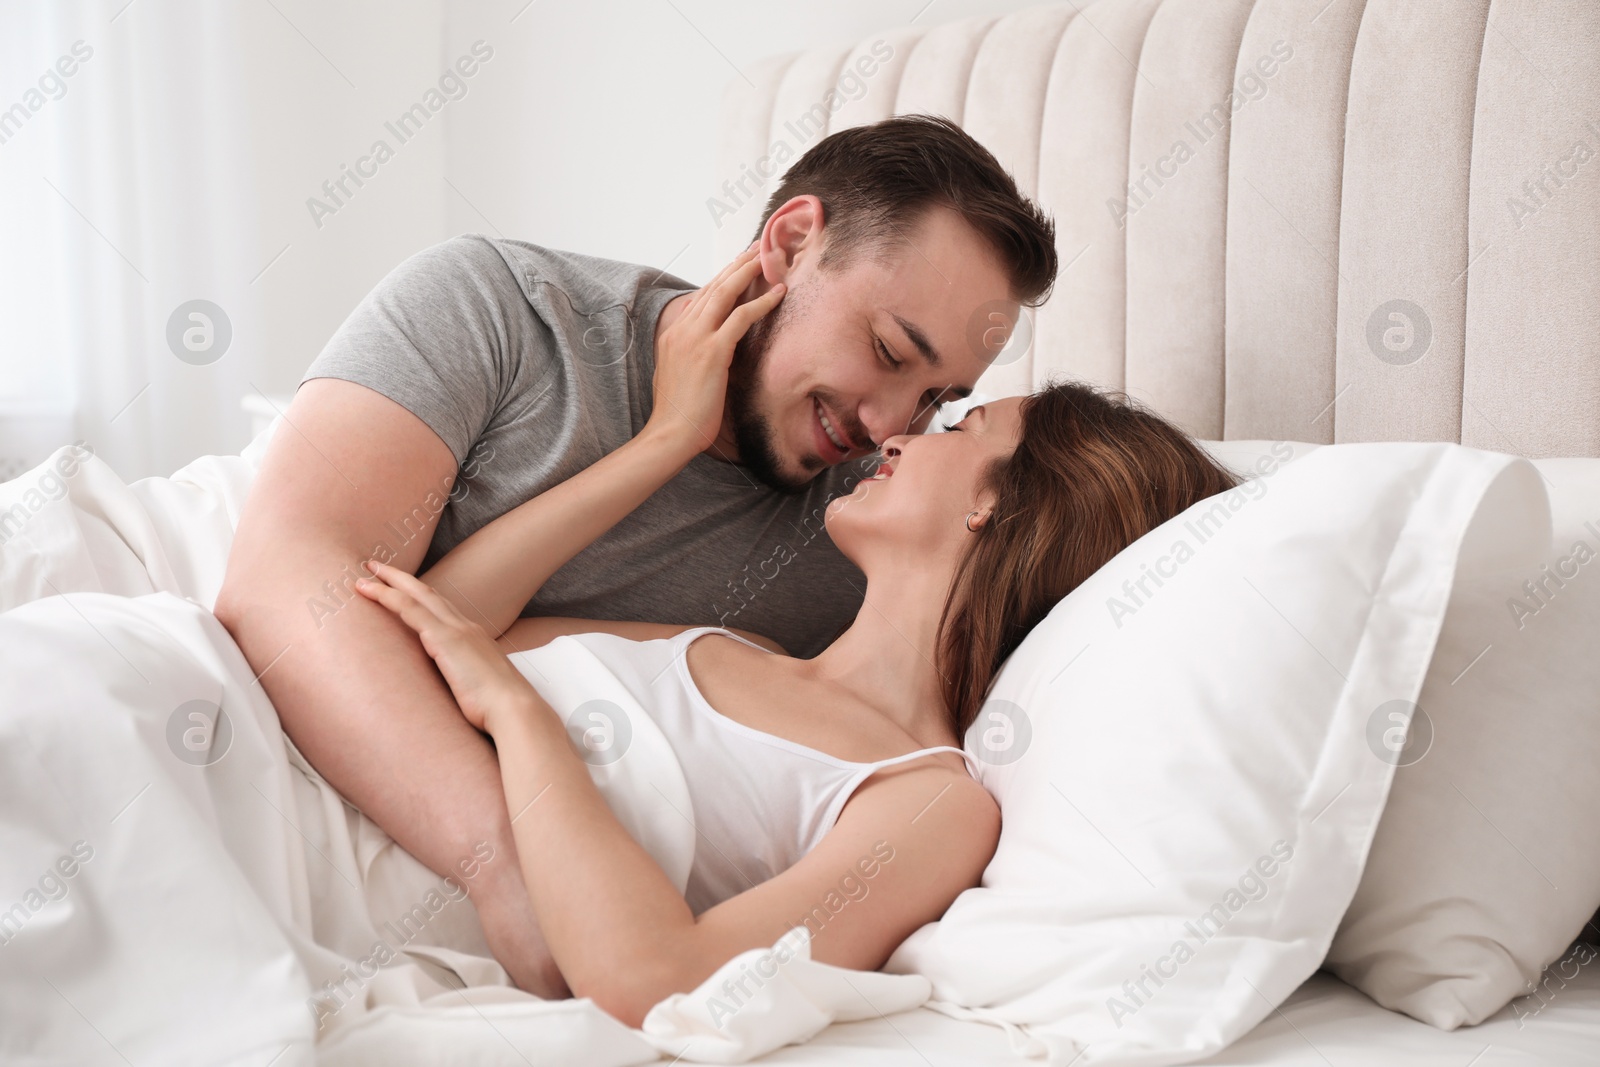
x=531 y=364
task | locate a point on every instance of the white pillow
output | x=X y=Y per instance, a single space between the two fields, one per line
x=1484 y=869
x=1486 y=863
x=1180 y=754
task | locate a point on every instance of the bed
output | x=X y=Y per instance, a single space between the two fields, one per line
x=1325 y=1022
x=164 y=542
x=1369 y=251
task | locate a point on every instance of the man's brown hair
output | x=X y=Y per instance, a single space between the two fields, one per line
x=876 y=182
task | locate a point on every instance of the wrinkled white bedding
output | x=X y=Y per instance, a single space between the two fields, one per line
x=1325 y=1022
x=224 y=905
x=216 y=900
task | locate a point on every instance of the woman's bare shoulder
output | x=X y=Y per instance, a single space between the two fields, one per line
x=937 y=788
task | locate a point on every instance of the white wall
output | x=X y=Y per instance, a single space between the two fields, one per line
x=190 y=145
x=598 y=130
x=176 y=166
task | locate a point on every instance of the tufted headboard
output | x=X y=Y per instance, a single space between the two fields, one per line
x=1317 y=220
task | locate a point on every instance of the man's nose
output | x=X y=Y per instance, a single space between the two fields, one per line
x=895 y=419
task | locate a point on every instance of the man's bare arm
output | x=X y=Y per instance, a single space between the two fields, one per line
x=353 y=687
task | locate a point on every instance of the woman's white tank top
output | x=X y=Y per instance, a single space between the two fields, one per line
x=760 y=802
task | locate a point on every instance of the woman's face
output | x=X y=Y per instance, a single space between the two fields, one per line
x=926 y=487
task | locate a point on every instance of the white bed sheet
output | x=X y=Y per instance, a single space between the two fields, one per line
x=1326 y=1023
x=235 y=908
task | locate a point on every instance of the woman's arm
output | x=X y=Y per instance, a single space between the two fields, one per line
x=905 y=847
x=493 y=574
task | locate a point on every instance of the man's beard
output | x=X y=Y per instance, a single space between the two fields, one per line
x=752 y=430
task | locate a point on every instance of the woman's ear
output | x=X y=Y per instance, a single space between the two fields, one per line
x=981 y=513
x=791 y=240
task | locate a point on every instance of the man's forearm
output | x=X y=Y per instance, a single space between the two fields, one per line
x=363 y=703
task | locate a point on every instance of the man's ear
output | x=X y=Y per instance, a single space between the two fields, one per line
x=791 y=240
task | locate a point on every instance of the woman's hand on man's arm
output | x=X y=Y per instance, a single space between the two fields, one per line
x=485 y=684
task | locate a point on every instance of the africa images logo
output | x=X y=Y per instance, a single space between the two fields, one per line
x=337 y=192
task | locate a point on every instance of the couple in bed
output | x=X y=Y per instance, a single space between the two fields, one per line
x=560 y=445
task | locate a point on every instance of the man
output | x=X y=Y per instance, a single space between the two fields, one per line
x=480 y=373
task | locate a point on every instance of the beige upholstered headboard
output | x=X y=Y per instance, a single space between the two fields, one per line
x=1396 y=236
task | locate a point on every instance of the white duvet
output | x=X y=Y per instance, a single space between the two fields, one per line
x=178 y=886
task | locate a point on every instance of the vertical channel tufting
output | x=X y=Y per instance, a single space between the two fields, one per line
x=746 y=123
x=1532 y=380
x=869 y=81
x=940 y=69
x=1005 y=94
x=1004 y=109
x=1083 y=172
x=1176 y=209
x=1392 y=237
x=797 y=118
x=1403 y=224
x=1286 y=165
x=800 y=112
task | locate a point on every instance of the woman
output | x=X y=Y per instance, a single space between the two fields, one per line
x=820 y=770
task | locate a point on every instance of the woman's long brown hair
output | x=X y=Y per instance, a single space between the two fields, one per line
x=1092 y=473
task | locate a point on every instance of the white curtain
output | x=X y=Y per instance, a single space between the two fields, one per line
x=136 y=185
x=173 y=165
x=36 y=385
